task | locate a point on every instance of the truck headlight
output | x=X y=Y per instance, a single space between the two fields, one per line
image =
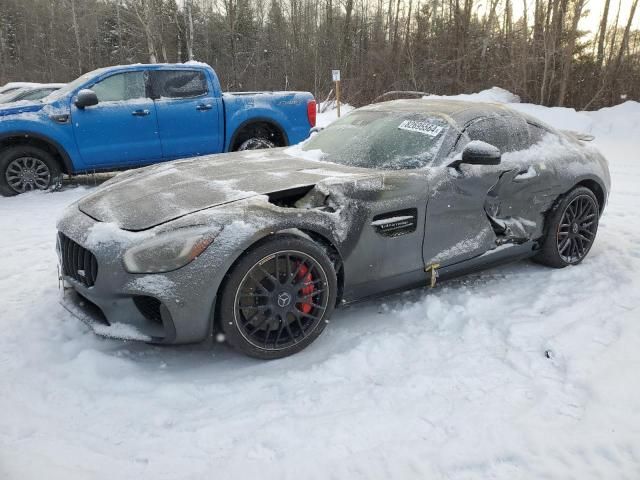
x=168 y=252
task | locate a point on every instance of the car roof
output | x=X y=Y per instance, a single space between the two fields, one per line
x=462 y=112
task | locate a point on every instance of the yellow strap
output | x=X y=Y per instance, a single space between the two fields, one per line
x=433 y=270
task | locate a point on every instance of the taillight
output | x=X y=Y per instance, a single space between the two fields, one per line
x=311 y=112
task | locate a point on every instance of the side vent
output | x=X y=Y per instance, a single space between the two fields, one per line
x=394 y=224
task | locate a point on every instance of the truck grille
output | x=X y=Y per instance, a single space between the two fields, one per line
x=78 y=262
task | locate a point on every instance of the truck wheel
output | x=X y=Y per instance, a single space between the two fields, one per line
x=256 y=143
x=24 y=168
x=258 y=136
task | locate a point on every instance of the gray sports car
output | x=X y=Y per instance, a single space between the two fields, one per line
x=261 y=246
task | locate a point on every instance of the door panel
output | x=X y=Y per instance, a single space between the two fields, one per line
x=189 y=122
x=476 y=208
x=120 y=130
x=457 y=227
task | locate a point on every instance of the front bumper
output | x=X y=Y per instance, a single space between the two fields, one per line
x=167 y=308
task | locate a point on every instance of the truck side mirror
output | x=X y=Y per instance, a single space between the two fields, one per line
x=86 y=98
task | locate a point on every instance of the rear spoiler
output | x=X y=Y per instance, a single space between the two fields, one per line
x=583 y=137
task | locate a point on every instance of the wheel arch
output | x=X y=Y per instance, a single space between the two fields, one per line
x=39 y=141
x=267 y=122
x=318 y=238
x=597 y=190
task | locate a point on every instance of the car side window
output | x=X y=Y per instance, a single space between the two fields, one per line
x=37 y=94
x=178 y=83
x=536 y=133
x=508 y=134
x=121 y=87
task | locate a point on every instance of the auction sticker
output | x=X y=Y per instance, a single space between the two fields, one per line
x=421 y=127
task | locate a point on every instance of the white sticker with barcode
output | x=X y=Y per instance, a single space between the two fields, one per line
x=421 y=127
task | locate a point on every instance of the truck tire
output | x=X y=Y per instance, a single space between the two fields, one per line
x=24 y=168
x=256 y=143
x=256 y=137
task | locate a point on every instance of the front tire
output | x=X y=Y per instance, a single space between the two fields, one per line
x=571 y=229
x=278 y=298
x=24 y=168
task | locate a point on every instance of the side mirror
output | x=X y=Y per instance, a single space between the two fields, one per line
x=479 y=153
x=86 y=98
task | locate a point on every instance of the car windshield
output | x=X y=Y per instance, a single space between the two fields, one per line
x=381 y=139
x=71 y=86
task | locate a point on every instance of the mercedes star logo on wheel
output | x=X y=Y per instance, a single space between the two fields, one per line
x=284 y=299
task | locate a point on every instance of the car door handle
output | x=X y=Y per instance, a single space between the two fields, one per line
x=204 y=106
x=525 y=174
x=140 y=113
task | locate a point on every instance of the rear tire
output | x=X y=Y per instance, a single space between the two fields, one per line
x=571 y=229
x=256 y=137
x=24 y=168
x=278 y=298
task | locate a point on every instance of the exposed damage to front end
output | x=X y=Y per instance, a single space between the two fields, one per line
x=117 y=247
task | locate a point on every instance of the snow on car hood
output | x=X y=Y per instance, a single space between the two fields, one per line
x=141 y=199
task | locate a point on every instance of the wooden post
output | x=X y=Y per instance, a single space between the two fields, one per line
x=338 y=97
x=336 y=78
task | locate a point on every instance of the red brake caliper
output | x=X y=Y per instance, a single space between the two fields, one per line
x=307 y=290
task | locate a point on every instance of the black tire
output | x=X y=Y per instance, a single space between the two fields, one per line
x=24 y=168
x=570 y=230
x=268 y=320
x=256 y=137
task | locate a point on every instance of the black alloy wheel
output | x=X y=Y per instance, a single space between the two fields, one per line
x=570 y=229
x=279 y=297
x=577 y=229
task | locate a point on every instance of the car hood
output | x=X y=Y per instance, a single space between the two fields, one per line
x=147 y=197
x=20 y=107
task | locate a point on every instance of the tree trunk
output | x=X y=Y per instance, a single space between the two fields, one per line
x=567 y=60
x=76 y=34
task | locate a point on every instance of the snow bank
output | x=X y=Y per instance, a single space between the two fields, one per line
x=520 y=372
x=617 y=122
x=331 y=114
x=493 y=94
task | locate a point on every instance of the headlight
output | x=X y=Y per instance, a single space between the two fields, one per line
x=168 y=252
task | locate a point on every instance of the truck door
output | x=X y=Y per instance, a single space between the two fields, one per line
x=189 y=115
x=121 y=129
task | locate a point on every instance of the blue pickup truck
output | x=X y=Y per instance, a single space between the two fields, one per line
x=134 y=115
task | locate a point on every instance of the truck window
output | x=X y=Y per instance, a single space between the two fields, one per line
x=178 y=83
x=121 y=87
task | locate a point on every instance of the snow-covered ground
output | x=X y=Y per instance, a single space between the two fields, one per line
x=449 y=383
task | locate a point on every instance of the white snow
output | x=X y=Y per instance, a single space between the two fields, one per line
x=121 y=331
x=331 y=114
x=530 y=173
x=449 y=383
x=494 y=94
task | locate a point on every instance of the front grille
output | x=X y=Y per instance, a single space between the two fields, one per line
x=78 y=262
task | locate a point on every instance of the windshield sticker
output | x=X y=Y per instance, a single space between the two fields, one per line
x=421 y=127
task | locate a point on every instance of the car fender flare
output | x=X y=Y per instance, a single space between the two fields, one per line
x=257 y=120
x=262 y=235
x=67 y=164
